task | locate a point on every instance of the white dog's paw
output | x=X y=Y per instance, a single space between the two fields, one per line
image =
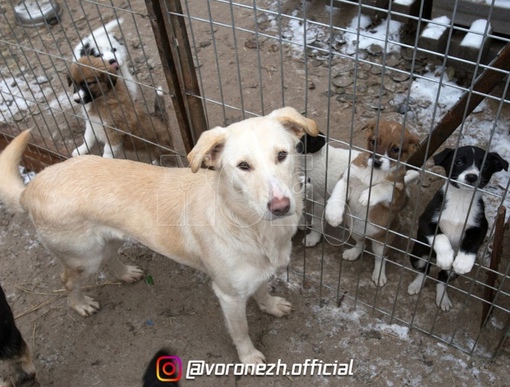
x=442 y=299
x=411 y=176
x=252 y=357
x=311 y=239
x=351 y=254
x=379 y=280
x=335 y=213
x=87 y=307
x=445 y=260
x=463 y=263
x=131 y=274
x=276 y=306
x=416 y=286
x=363 y=199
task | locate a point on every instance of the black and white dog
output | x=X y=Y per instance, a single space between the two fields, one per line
x=14 y=349
x=453 y=226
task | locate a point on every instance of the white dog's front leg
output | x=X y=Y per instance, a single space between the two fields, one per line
x=234 y=309
x=380 y=193
x=336 y=204
x=276 y=306
x=444 y=251
x=89 y=140
x=110 y=151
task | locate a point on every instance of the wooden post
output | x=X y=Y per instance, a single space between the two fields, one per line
x=497 y=249
x=160 y=27
x=484 y=84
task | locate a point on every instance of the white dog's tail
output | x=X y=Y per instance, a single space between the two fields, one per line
x=11 y=183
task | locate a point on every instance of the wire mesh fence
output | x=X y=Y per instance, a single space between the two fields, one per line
x=344 y=64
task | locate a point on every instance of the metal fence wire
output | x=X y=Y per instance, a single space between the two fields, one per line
x=438 y=67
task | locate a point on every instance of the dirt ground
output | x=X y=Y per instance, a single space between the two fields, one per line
x=345 y=318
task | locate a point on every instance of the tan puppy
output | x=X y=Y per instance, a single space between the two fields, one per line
x=114 y=119
x=233 y=220
x=374 y=189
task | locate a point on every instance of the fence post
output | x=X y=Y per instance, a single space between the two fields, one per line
x=175 y=52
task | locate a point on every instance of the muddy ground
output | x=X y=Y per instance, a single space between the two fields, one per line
x=338 y=314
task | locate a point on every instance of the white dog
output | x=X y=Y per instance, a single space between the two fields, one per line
x=234 y=219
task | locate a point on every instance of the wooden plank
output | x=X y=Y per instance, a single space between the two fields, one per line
x=484 y=84
x=466 y=12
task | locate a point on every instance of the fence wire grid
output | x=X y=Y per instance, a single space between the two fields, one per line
x=341 y=63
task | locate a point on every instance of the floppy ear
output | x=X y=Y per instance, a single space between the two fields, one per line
x=109 y=79
x=414 y=142
x=69 y=80
x=497 y=161
x=208 y=149
x=295 y=123
x=440 y=158
x=370 y=128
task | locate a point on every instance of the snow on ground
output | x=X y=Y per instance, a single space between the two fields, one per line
x=434 y=94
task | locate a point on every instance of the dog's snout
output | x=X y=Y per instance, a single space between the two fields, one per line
x=471 y=178
x=279 y=206
x=377 y=162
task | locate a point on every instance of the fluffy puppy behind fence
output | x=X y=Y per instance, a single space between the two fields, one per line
x=453 y=226
x=101 y=43
x=14 y=350
x=114 y=120
x=374 y=190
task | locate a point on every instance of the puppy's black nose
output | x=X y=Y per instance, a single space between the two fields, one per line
x=377 y=163
x=112 y=61
x=471 y=178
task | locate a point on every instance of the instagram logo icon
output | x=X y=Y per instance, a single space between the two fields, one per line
x=169 y=368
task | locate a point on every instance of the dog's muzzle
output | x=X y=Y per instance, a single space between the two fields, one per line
x=279 y=207
x=376 y=162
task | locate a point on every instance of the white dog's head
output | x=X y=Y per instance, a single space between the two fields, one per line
x=256 y=161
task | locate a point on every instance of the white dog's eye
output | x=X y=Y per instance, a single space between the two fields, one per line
x=244 y=166
x=282 y=156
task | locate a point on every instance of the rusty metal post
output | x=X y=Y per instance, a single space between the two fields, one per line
x=170 y=32
x=484 y=84
x=497 y=250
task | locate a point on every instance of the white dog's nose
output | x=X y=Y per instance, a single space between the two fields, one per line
x=279 y=206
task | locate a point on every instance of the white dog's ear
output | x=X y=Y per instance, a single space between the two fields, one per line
x=208 y=149
x=293 y=121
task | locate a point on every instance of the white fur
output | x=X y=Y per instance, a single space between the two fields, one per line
x=444 y=251
x=337 y=160
x=463 y=263
x=442 y=299
x=458 y=214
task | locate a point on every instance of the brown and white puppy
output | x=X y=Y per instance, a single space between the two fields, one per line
x=14 y=350
x=234 y=220
x=113 y=118
x=374 y=189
